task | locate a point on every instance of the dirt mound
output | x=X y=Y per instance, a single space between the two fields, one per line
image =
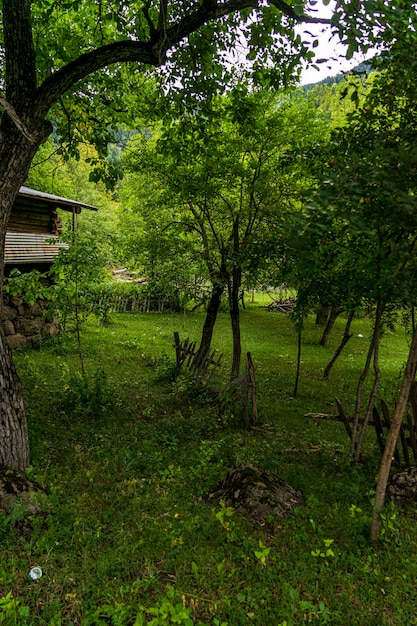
x=257 y=493
x=402 y=488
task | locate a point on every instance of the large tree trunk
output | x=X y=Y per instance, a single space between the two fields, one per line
x=15 y=158
x=14 y=442
x=23 y=129
x=14 y=449
x=21 y=134
x=209 y=322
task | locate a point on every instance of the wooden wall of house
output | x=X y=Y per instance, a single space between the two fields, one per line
x=34 y=217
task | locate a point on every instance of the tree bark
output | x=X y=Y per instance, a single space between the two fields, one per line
x=397 y=420
x=322 y=315
x=21 y=133
x=208 y=327
x=339 y=349
x=16 y=153
x=14 y=449
x=334 y=314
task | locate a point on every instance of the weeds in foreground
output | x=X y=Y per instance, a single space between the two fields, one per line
x=84 y=395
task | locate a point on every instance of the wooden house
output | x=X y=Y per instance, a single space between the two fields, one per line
x=33 y=223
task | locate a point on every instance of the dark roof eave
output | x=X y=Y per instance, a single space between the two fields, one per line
x=62 y=203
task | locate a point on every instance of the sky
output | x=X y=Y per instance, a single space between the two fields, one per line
x=327 y=48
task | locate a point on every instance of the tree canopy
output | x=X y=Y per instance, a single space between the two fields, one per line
x=50 y=49
x=228 y=183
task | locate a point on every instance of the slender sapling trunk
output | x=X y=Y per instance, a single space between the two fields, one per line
x=363 y=376
x=334 y=314
x=346 y=336
x=397 y=420
x=377 y=377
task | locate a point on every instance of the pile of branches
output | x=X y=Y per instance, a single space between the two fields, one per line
x=281 y=306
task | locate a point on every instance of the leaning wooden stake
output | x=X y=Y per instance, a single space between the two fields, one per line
x=372 y=395
x=252 y=386
x=397 y=420
x=358 y=405
x=297 y=373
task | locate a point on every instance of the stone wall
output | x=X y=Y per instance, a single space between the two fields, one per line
x=24 y=323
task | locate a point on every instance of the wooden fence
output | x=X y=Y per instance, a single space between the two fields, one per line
x=406 y=449
x=185 y=354
x=134 y=304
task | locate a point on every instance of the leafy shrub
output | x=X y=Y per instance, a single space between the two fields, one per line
x=12 y=611
x=163 y=366
x=87 y=396
x=192 y=386
x=28 y=285
x=170 y=611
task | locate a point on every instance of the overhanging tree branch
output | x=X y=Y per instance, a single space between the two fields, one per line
x=303 y=18
x=154 y=50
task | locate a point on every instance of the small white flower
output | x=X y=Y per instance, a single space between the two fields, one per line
x=359 y=335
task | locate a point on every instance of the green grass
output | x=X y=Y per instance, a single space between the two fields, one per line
x=128 y=539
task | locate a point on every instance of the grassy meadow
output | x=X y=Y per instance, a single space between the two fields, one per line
x=127 y=457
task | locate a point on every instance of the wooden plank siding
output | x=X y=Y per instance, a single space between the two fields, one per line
x=34 y=221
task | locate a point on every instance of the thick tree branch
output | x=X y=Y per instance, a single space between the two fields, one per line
x=302 y=19
x=152 y=51
x=121 y=51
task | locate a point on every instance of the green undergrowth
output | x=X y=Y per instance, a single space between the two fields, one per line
x=127 y=453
